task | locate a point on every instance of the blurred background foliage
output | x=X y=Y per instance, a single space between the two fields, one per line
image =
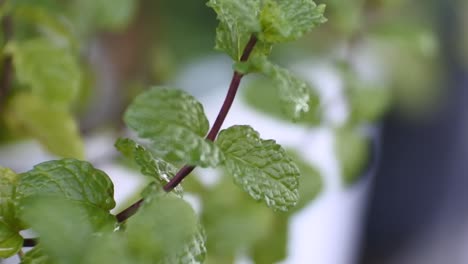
x=462 y=46
x=78 y=63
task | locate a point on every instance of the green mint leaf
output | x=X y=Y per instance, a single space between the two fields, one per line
x=155 y=168
x=230 y=42
x=74 y=181
x=233 y=221
x=175 y=123
x=289 y=20
x=238 y=20
x=69 y=179
x=50 y=71
x=162 y=228
x=271 y=20
x=10 y=241
x=260 y=94
x=54 y=128
x=353 y=152
x=8 y=181
x=261 y=167
x=233 y=42
x=294 y=93
x=64 y=229
x=35 y=256
x=237 y=13
x=193 y=251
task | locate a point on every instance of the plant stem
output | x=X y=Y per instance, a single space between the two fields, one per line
x=230 y=96
x=125 y=214
x=185 y=171
x=7 y=69
x=181 y=174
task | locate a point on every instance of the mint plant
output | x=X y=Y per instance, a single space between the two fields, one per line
x=67 y=202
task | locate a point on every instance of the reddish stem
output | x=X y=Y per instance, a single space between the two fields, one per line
x=125 y=214
x=230 y=96
x=185 y=171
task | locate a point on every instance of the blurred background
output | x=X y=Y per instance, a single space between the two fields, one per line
x=382 y=152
